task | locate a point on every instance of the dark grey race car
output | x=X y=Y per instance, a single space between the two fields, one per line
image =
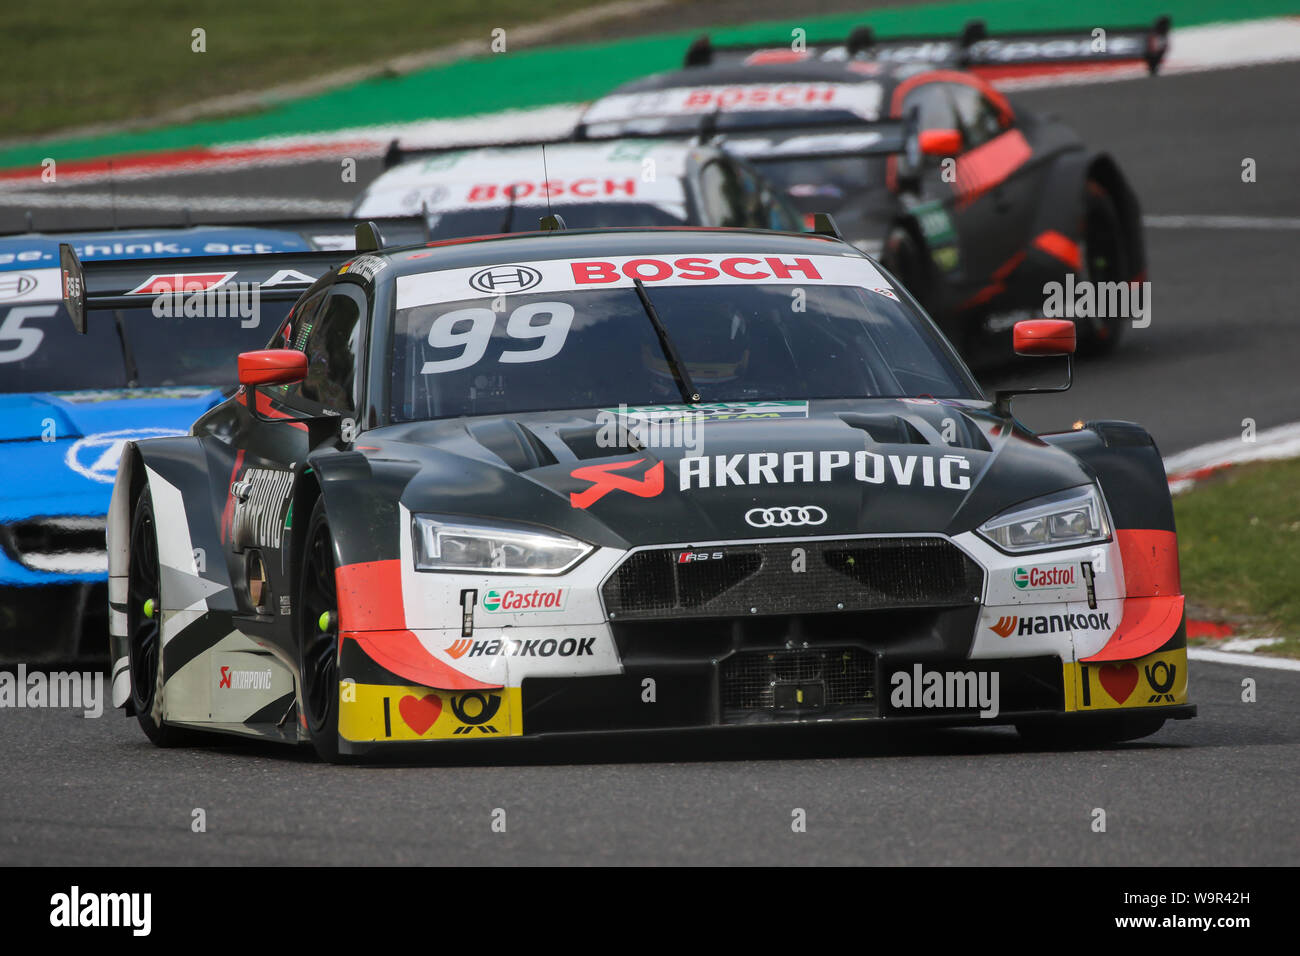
x=619 y=480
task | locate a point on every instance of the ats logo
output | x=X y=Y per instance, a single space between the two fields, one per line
x=182 y=282
x=604 y=479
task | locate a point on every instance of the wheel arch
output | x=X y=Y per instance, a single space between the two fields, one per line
x=177 y=474
x=1128 y=466
x=1103 y=170
x=1063 y=207
x=362 y=499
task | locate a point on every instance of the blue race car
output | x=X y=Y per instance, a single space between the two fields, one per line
x=69 y=403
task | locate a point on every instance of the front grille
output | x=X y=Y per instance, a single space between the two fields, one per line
x=792 y=577
x=798 y=682
x=61 y=545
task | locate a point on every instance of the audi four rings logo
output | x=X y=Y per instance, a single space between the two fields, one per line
x=784 y=517
x=505 y=279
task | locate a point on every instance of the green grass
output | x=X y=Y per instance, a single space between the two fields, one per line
x=1239 y=547
x=76 y=62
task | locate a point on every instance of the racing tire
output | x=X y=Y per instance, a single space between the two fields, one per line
x=906 y=256
x=1106 y=258
x=318 y=664
x=1095 y=731
x=144 y=627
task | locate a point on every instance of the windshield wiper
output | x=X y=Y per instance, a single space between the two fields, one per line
x=684 y=384
x=128 y=357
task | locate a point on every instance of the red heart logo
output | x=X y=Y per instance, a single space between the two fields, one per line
x=420 y=712
x=1118 y=680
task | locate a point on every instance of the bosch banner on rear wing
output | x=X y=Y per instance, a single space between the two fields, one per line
x=975 y=48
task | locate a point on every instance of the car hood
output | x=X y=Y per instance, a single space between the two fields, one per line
x=881 y=466
x=61 y=449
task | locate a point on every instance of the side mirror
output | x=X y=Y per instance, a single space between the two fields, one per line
x=939 y=142
x=1043 y=337
x=272 y=367
x=1039 y=337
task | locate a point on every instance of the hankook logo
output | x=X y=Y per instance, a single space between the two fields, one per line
x=785 y=517
x=497 y=279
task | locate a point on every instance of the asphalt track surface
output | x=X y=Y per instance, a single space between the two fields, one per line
x=1223 y=345
x=1217 y=790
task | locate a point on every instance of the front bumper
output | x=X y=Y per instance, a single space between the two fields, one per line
x=770 y=687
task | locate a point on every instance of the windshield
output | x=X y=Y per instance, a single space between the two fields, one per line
x=809 y=181
x=524 y=218
x=575 y=347
x=41 y=352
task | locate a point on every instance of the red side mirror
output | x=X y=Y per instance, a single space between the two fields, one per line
x=272 y=367
x=940 y=142
x=1044 y=337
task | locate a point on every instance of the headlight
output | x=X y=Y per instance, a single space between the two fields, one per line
x=1060 y=520
x=448 y=543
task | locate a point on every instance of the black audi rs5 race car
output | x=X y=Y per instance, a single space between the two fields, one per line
x=617 y=480
x=973 y=203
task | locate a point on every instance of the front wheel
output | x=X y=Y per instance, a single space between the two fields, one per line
x=318 y=637
x=144 y=627
x=1106 y=258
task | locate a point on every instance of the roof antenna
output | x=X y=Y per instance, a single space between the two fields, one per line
x=424 y=219
x=546 y=182
x=31 y=227
x=186 y=219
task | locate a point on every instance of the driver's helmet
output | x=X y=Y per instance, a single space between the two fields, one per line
x=715 y=352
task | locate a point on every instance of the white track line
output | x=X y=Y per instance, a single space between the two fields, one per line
x=1246 y=660
x=240 y=204
x=1221 y=222
x=1271 y=444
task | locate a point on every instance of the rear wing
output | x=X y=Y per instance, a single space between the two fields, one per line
x=137 y=283
x=397 y=154
x=759 y=144
x=320 y=234
x=975 y=48
x=701 y=132
x=339 y=235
